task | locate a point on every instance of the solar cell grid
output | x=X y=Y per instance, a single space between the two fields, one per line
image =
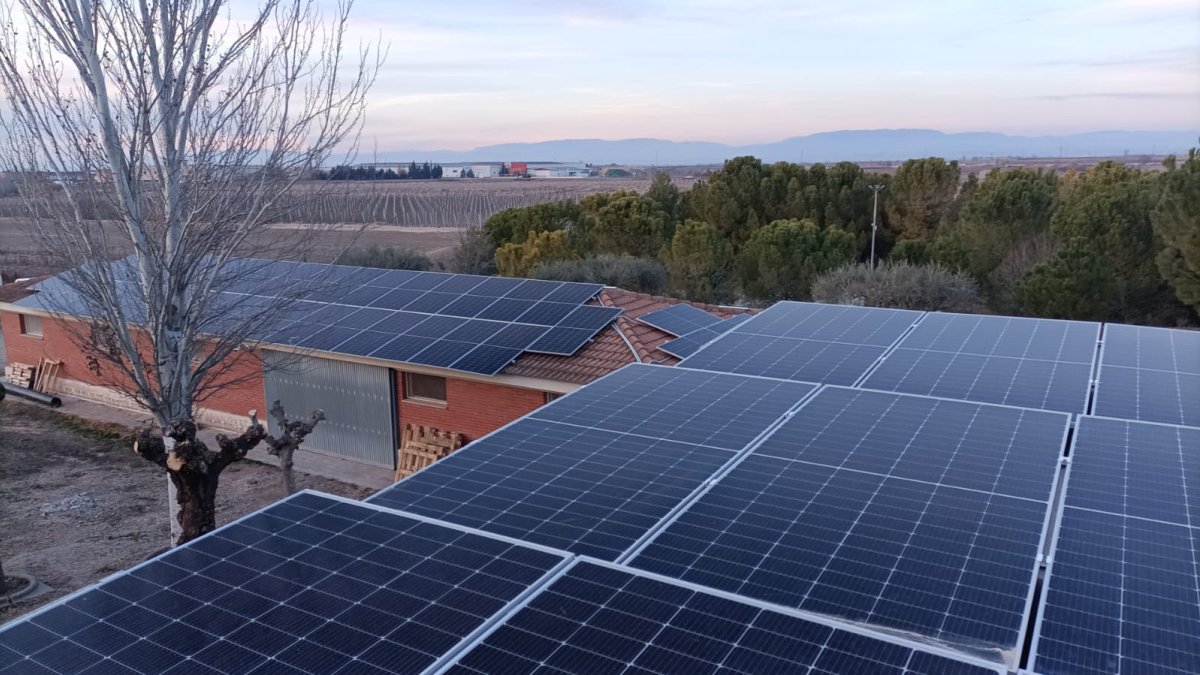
x=1122 y=593
x=913 y=513
x=599 y=619
x=505 y=309
x=690 y=343
x=467 y=305
x=431 y=302
x=726 y=411
x=532 y=289
x=587 y=491
x=832 y=323
x=590 y=316
x=561 y=341
x=442 y=353
x=314 y=583
x=1149 y=374
x=487 y=359
x=547 y=313
x=328 y=338
x=424 y=281
x=679 y=319
x=1014 y=337
x=785 y=358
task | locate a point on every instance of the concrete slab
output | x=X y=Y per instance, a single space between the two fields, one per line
x=315 y=463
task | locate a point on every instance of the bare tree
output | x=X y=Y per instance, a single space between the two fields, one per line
x=291 y=434
x=177 y=129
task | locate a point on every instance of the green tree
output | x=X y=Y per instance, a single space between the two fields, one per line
x=900 y=285
x=665 y=195
x=513 y=226
x=730 y=198
x=645 y=275
x=1006 y=207
x=1176 y=220
x=1106 y=211
x=781 y=260
x=517 y=260
x=628 y=224
x=698 y=263
x=919 y=195
x=1074 y=284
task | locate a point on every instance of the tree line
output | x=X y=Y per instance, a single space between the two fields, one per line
x=414 y=170
x=1108 y=243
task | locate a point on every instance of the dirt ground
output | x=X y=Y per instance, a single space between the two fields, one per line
x=77 y=505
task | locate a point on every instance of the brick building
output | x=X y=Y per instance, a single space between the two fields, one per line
x=368 y=400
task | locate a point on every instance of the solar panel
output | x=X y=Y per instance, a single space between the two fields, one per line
x=561 y=341
x=602 y=619
x=785 y=358
x=487 y=359
x=574 y=293
x=834 y=344
x=578 y=484
x=431 y=302
x=726 y=411
x=1149 y=374
x=328 y=338
x=397 y=323
x=516 y=335
x=832 y=323
x=313 y=583
x=425 y=281
x=366 y=317
x=547 y=313
x=592 y=317
x=679 y=319
x=497 y=286
x=467 y=305
x=442 y=353
x=691 y=343
x=532 y=289
x=505 y=309
x=402 y=347
x=477 y=331
x=1035 y=363
x=1123 y=588
x=459 y=283
x=918 y=514
x=365 y=343
x=397 y=298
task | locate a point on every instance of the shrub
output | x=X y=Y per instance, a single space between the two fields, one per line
x=386 y=257
x=516 y=260
x=899 y=285
x=475 y=253
x=644 y=275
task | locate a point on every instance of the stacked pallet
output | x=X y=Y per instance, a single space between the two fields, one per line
x=20 y=374
x=423 y=446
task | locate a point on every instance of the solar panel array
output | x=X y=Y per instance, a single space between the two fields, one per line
x=1149 y=374
x=725 y=516
x=1123 y=589
x=833 y=344
x=1034 y=363
x=680 y=319
x=458 y=321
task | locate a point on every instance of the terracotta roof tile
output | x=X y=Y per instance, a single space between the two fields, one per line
x=18 y=289
x=614 y=346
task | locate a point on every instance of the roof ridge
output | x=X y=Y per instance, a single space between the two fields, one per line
x=621 y=326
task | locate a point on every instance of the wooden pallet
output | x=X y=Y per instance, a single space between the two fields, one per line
x=20 y=374
x=423 y=446
x=47 y=375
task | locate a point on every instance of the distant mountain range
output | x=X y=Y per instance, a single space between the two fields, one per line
x=855 y=146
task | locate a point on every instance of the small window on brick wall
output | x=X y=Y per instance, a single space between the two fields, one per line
x=424 y=387
x=551 y=396
x=31 y=325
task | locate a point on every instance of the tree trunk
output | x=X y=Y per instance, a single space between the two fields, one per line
x=285 y=468
x=197 y=494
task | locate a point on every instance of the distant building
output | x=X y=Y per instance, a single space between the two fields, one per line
x=559 y=171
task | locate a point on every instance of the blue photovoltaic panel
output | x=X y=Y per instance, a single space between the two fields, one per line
x=1123 y=589
x=562 y=341
x=396 y=299
x=487 y=359
x=727 y=411
x=425 y=281
x=442 y=353
x=1149 y=374
x=785 y=358
x=459 y=283
x=832 y=344
x=476 y=331
x=601 y=619
x=1030 y=383
x=403 y=347
x=365 y=343
x=398 y=323
x=574 y=293
x=516 y=335
x=592 y=317
x=583 y=490
x=532 y=289
x=691 y=343
x=366 y=317
x=467 y=305
x=617 y=457
x=505 y=309
x=496 y=286
x=679 y=319
x=917 y=514
x=431 y=302
x=547 y=313
x=832 y=323
x=313 y=584
x=328 y=338
x=1034 y=363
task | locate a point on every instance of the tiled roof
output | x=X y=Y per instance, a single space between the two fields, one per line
x=17 y=289
x=616 y=345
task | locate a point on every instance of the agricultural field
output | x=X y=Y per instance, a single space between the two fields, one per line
x=428 y=216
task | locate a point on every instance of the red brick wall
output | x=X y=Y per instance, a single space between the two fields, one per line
x=241 y=391
x=472 y=409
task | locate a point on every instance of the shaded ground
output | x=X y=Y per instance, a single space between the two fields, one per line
x=77 y=505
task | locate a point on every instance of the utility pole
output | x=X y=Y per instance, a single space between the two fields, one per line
x=874 y=220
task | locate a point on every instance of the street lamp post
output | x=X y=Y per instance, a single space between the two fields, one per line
x=874 y=220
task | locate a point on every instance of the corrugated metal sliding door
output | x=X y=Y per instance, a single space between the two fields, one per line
x=357 y=400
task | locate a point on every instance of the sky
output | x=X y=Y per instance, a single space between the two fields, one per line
x=464 y=73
